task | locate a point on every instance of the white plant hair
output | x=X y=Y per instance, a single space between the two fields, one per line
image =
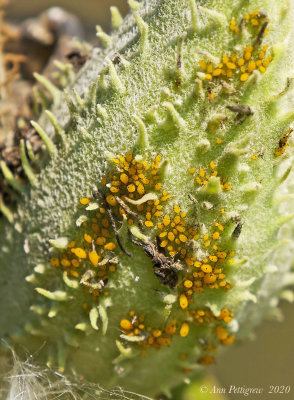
x=26 y=381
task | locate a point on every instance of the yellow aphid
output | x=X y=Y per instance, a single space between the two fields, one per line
x=94 y=258
x=183 y=301
x=212 y=165
x=111 y=200
x=215 y=235
x=126 y=325
x=244 y=77
x=164 y=243
x=216 y=72
x=84 y=201
x=131 y=188
x=110 y=246
x=188 y=284
x=209 y=278
x=158 y=159
x=140 y=189
x=201 y=173
x=166 y=220
x=229 y=340
x=208 y=77
x=234 y=57
x=183 y=238
x=206 y=268
x=202 y=64
x=184 y=330
x=251 y=66
x=222 y=254
x=100 y=240
x=158 y=186
x=231 y=65
x=171 y=236
x=79 y=252
x=75 y=263
x=221 y=333
x=124 y=178
x=240 y=62
x=192 y=170
x=225 y=59
x=54 y=262
x=88 y=238
x=254 y=22
x=149 y=224
x=129 y=156
x=177 y=209
x=157 y=332
x=247 y=55
x=206 y=360
x=65 y=262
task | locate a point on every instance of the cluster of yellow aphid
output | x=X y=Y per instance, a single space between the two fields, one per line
x=132 y=180
x=125 y=187
x=207 y=273
x=253 y=58
x=155 y=338
x=221 y=332
x=95 y=244
x=254 y=19
x=174 y=233
x=134 y=326
x=202 y=177
x=242 y=66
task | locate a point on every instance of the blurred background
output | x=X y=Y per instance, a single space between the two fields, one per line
x=267 y=360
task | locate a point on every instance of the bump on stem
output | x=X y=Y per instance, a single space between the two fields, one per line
x=52 y=149
x=116 y=18
x=143 y=29
x=105 y=39
x=8 y=175
x=48 y=85
x=115 y=80
x=26 y=164
x=58 y=128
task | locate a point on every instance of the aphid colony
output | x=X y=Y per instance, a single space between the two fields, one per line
x=134 y=328
x=255 y=19
x=132 y=194
x=202 y=177
x=253 y=58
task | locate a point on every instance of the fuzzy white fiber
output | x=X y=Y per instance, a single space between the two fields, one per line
x=26 y=381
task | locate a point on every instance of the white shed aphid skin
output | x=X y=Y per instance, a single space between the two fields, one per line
x=170 y=133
